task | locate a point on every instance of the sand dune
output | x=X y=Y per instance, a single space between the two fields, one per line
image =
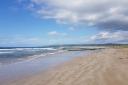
x=107 y=67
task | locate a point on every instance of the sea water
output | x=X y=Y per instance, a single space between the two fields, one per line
x=12 y=55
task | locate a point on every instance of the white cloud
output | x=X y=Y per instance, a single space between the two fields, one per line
x=111 y=37
x=111 y=16
x=55 y=33
x=104 y=14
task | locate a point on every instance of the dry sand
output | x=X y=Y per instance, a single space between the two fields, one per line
x=107 y=67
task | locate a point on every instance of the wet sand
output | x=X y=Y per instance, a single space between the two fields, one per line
x=107 y=67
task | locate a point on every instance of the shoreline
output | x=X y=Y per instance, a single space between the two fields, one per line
x=108 y=67
x=20 y=70
x=32 y=57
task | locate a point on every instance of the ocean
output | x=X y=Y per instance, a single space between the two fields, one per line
x=16 y=54
x=11 y=55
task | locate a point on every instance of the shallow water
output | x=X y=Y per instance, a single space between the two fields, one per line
x=33 y=66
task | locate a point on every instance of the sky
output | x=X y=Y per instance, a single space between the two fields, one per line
x=51 y=22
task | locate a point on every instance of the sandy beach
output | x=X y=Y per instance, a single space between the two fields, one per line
x=107 y=67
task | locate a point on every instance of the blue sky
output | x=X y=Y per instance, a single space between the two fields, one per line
x=40 y=22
